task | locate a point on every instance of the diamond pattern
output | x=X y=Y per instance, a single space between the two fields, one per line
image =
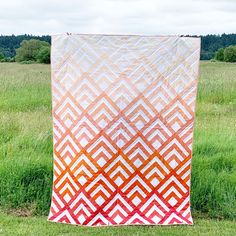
x=123 y=115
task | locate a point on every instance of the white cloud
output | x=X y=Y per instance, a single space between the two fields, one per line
x=118 y=16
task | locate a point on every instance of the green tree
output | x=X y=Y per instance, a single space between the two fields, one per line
x=230 y=54
x=29 y=49
x=43 y=55
x=219 y=55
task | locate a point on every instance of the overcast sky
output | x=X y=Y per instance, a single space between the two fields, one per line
x=118 y=16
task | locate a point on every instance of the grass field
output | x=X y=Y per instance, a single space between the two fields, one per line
x=26 y=147
x=38 y=226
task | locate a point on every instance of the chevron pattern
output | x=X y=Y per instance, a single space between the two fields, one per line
x=123 y=115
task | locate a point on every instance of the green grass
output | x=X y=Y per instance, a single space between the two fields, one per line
x=213 y=189
x=32 y=226
x=26 y=143
x=25 y=138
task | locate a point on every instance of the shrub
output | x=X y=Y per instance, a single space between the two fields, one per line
x=230 y=54
x=1 y=56
x=12 y=59
x=219 y=55
x=8 y=59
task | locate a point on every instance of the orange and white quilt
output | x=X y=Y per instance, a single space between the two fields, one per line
x=123 y=115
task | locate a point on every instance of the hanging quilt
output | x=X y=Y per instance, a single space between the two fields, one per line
x=123 y=115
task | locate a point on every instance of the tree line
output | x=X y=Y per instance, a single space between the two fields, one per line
x=27 y=44
x=210 y=44
x=9 y=45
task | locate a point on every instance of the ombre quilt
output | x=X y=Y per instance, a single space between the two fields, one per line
x=123 y=116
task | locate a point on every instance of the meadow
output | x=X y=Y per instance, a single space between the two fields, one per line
x=26 y=148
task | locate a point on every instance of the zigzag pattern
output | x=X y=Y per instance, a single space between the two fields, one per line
x=123 y=115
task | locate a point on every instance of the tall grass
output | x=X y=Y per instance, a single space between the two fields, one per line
x=26 y=140
x=213 y=189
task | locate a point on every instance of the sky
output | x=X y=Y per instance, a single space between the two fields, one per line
x=149 y=17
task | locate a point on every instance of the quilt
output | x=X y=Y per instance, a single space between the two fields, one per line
x=123 y=114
